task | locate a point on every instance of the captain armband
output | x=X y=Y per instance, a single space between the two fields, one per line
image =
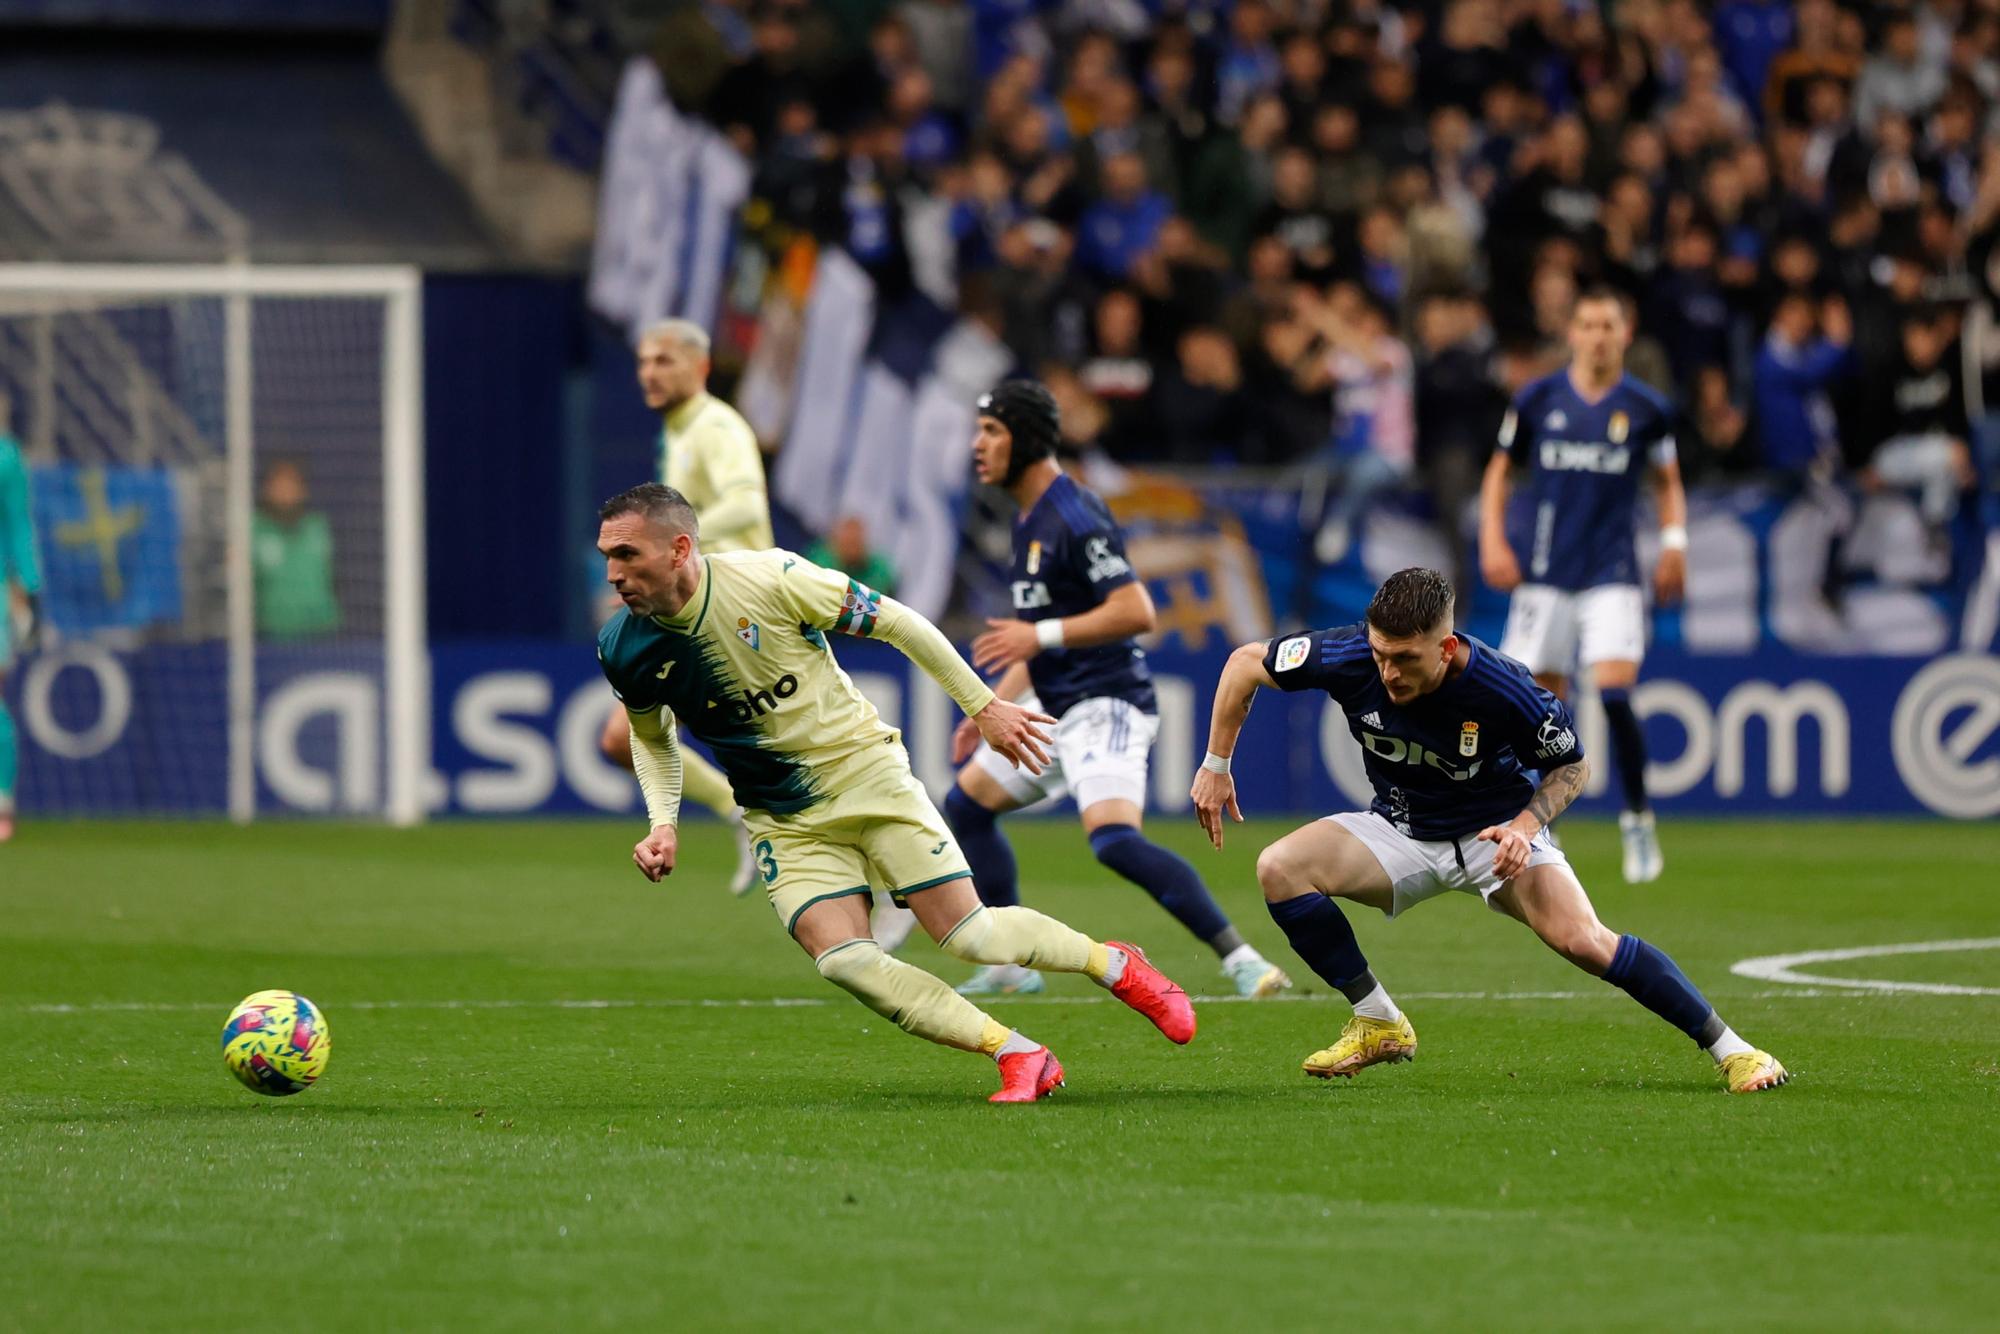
x=860 y=610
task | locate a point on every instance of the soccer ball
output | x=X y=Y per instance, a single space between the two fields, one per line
x=276 y=1043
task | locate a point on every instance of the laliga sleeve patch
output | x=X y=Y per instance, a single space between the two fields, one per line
x=1292 y=652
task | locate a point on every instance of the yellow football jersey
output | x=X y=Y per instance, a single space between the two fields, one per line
x=709 y=454
x=745 y=667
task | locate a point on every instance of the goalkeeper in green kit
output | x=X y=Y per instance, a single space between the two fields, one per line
x=20 y=585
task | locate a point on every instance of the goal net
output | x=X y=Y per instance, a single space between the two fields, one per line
x=226 y=466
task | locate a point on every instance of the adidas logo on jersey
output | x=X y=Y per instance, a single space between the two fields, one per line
x=1372 y=719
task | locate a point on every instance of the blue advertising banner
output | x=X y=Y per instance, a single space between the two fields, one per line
x=515 y=727
x=1770 y=733
x=108 y=731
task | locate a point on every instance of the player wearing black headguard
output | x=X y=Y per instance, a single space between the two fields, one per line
x=1069 y=651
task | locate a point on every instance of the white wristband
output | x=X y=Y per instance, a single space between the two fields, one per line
x=1674 y=537
x=1214 y=763
x=1049 y=633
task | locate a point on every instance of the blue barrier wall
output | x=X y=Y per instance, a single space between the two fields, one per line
x=498 y=504
x=515 y=730
x=1771 y=733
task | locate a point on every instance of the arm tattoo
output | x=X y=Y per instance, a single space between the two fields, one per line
x=1559 y=788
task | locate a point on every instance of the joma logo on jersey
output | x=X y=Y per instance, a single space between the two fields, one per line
x=750 y=703
x=1398 y=751
x=1029 y=594
x=1579 y=456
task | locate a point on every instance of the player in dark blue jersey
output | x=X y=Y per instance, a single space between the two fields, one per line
x=1470 y=760
x=1070 y=647
x=1581 y=441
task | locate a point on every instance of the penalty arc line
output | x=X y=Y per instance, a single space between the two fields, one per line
x=1785 y=968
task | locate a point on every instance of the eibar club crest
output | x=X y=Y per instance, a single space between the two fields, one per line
x=1468 y=739
x=1620 y=425
x=747 y=632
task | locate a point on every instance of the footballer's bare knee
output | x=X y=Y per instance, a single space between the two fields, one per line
x=1615 y=674
x=1580 y=938
x=1588 y=945
x=831 y=922
x=1550 y=901
x=1282 y=873
x=942 y=909
x=985 y=789
x=1324 y=858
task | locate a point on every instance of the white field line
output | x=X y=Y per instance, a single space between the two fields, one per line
x=1784 y=968
x=798 y=1002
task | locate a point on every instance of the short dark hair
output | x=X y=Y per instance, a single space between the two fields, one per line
x=1410 y=602
x=657 y=504
x=1600 y=292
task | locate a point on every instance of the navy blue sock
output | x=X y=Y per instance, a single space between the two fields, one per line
x=1628 y=745
x=1319 y=931
x=1168 y=877
x=1652 y=979
x=986 y=849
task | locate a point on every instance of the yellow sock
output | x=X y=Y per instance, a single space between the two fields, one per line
x=703 y=782
x=994 y=1037
x=1100 y=962
x=1024 y=936
x=910 y=998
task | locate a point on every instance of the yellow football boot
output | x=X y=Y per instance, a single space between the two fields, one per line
x=1753 y=1071
x=1364 y=1042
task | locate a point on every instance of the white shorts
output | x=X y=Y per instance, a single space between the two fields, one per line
x=1551 y=629
x=1418 y=870
x=1099 y=754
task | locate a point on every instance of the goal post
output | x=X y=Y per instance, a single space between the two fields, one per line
x=228 y=466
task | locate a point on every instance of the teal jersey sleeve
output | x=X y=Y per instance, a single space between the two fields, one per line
x=17 y=521
x=621 y=649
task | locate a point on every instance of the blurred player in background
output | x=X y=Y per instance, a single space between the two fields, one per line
x=20 y=589
x=709 y=454
x=1072 y=653
x=1583 y=437
x=735 y=647
x=1455 y=738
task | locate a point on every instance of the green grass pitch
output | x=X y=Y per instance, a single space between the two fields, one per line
x=486 y=1154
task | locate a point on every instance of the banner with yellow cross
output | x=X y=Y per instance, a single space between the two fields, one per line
x=111 y=539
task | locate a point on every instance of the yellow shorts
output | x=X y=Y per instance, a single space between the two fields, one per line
x=880 y=829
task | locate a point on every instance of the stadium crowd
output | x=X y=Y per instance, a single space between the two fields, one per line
x=1334 y=235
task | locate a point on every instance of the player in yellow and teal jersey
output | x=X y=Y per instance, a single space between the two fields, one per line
x=734 y=648
x=20 y=587
x=709 y=454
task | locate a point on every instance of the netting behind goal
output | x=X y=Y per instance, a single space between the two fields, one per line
x=226 y=468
